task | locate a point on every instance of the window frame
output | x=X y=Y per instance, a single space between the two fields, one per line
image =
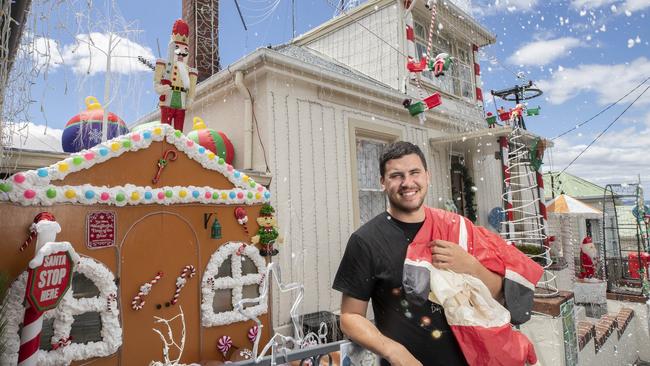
x=235 y=282
x=371 y=131
x=455 y=83
x=63 y=316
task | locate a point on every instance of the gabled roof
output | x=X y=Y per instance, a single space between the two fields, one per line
x=58 y=183
x=565 y=183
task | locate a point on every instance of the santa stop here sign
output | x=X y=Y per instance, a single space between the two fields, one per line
x=48 y=282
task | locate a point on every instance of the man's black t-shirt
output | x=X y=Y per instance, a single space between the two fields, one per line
x=372 y=267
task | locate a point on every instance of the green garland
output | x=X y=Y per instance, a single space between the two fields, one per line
x=468 y=183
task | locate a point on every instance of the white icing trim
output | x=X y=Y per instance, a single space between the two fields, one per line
x=209 y=285
x=63 y=316
x=37 y=183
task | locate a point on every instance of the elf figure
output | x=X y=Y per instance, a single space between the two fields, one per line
x=267 y=234
x=491 y=120
x=174 y=80
x=588 y=258
x=441 y=63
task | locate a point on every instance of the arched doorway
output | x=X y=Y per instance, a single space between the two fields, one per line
x=159 y=242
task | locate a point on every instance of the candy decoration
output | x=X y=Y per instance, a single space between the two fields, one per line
x=188 y=272
x=224 y=344
x=215 y=141
x=242 y=218
x=61 y=343
x=252 y=333
x=169 y=155
x=109 y=301
x=30 y=336
x=32 y=229
x=84 y=130
x=138 y=300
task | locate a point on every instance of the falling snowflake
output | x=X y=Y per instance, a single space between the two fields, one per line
x=630 y=43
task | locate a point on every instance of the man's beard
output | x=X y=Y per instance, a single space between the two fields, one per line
x=398 y=206
x=590 y=250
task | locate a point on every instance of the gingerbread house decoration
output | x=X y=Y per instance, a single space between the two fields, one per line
x=145 y=250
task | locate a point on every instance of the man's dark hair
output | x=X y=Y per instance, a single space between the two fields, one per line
x=398 y=149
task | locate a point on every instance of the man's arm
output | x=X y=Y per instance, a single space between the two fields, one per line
x=359 y=329
x=447 y=255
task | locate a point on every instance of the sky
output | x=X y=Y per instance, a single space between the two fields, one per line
x=583 y=54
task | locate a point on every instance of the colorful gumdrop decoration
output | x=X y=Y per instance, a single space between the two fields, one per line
x=215 y=141
x=84 y=130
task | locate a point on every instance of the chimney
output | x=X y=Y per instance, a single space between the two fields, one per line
x=202 y=16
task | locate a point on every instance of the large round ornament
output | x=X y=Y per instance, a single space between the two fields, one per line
x=215 y=141
x=84 y=130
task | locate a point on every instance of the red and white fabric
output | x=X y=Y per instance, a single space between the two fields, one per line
x=481 y=325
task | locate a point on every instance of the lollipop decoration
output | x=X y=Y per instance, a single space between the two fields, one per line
x=224 y=344
x=138 y=300
x=188 y=272
x=242 y=217
x=252 y=333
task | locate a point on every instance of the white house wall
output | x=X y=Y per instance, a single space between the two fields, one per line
x=368 y=45
x=303 y=134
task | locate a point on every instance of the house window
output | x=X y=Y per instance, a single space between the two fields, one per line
x=87 y=312
x=459 y=81
x=372 y=200
x=235 y=272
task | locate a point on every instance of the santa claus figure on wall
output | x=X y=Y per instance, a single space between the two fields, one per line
x=588 y=258
x=174 y=80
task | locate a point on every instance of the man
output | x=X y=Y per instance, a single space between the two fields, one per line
x=372 y=267
x=174 y=80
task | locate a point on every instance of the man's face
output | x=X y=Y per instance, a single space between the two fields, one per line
x=405 y=182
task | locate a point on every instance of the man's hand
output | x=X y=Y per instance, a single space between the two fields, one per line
x=448 y=255
x=400 y=356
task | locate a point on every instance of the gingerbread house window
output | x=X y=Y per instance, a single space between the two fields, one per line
x=73 y=331
x=235 y=272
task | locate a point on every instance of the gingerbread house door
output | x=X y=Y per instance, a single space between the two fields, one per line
x=165 y=243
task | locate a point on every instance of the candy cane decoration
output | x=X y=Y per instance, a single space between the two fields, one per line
x=223 y=345
x=138 y=300
x=63 y=342
x=109 y=301
x=431 y=26
x=32 y=228
x=188 y=271
x=30 y=337
x=242 y=217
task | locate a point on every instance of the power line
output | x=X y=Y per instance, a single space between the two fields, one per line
x=605 y=130
x=602 y=111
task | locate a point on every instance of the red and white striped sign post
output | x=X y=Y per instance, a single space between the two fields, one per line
x=49 y=279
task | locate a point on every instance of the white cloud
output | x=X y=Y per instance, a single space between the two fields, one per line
x=43 y=52
x=634 y=5
x=617 y=157
x=627 y=6
x=88 y=54
x=540 y=53
x=590 y=4
x=609 y=82
x=36 y=137
x=489 y=7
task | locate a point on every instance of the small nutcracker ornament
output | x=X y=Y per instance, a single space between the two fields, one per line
x=267 y=234
x=174 y=79
x=588 y=258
